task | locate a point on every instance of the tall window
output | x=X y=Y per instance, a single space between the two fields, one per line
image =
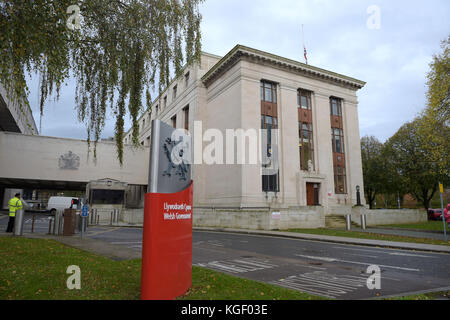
x=186 y=118
x=268 y=92
x=337 y=140
x=305 y=129
x=306 y=146
x=269 y=121
x=175 y=89
x=165 y=102
x=335 y=107
x=174 y=121
x=304 y=99
x=338 y=146
x=186 y=79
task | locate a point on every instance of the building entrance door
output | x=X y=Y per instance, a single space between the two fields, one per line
x=312 y=194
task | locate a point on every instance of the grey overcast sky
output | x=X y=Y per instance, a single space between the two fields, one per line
x=393 y=59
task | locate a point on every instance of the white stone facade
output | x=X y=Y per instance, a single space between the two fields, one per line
x=224 y=93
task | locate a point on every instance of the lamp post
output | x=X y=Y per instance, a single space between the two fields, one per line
x=358 y=196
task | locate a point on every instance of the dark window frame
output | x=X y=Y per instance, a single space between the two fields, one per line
x=338 y=146
x=310 y=149
x=337 y=140
x=268 y=86
x=106 y=196
x=336 y=111
x=307 y=94
x=270 y=183
x=187 y=78
x=186 y=118
x=174 y=92
x=340 y=180
x=174 y=121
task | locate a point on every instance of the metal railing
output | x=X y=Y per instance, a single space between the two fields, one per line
x=96 y=214
x=56 y=222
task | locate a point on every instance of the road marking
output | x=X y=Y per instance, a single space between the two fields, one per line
x=238 y=265
x=323 y=284
x=386 y=252
x=93 y=233
x=317 y=258
x=366 y=250
x=216 y=243
x=362 y=255
x=354 y=262
x=312 y=267
x=127 y=242
x=409 y=255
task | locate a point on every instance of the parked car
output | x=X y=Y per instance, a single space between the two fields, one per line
x=61 y=203
x=434 y=214
x=447 y=213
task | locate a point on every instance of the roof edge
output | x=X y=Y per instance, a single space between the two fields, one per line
x=243 y=50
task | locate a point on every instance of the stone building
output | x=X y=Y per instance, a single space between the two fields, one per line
x=316 y=114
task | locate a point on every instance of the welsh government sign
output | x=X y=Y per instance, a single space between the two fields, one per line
x=167 y=235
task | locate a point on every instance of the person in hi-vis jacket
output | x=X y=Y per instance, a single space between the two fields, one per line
x=14 y=205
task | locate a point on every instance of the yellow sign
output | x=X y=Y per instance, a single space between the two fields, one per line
x=441 y=188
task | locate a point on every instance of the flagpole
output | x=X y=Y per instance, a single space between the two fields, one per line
x=303 y=36
x=304 y=48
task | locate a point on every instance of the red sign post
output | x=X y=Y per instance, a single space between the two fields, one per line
x=167 y=245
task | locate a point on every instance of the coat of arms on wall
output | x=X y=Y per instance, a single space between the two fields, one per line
x=69 y=161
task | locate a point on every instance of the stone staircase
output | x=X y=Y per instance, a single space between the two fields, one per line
x=337 y=222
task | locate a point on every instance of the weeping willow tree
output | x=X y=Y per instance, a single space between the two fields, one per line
x=118 y=51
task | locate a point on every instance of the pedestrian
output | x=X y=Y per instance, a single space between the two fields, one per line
x=14 y=205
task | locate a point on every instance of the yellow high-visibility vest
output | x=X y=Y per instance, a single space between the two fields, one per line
x=14 y=205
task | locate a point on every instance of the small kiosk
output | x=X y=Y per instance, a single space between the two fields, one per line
x=106 y=197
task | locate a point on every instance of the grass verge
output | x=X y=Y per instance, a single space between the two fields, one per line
x=425 y=296
x=33 y=269
x=427 y=226
x=367 y=235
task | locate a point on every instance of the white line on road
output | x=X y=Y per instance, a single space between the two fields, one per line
x=323 y=284
x=409 y=255
x=354 y=262
x=216 y=244
x=312 y=267
x=238 y=265
x=362 y=255
x=127 y=242
x=386 y=252
x=366 y=250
